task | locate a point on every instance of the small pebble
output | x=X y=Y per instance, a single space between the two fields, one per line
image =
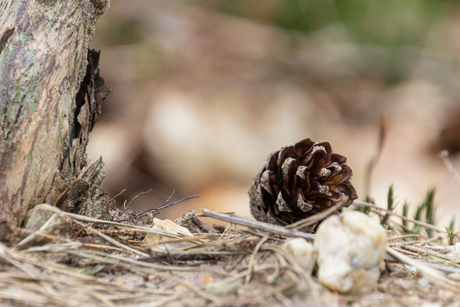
x=303 y=252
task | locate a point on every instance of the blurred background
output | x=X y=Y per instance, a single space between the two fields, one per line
x=203 y=91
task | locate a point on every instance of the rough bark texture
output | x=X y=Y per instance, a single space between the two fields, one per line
x=50 y=97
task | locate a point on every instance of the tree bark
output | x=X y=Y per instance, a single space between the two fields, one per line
x=50 y=97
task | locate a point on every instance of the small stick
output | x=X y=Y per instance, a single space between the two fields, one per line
x=403 y=236
x=77 y=217
x=125 y=207
x=440 y=267
x=453 y=171
x=377 y=154
x=256 y=224
x=425 y=252
x=225 y=231
x=403 y=243
x=163 y=206
x=118 y=194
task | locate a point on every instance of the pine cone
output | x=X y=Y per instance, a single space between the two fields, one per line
x=299 y=181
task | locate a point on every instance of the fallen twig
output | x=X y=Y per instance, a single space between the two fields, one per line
x=256 y=224
x=162 y=206
x=453 y=171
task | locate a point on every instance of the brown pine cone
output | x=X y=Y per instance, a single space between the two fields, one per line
x=299 y=181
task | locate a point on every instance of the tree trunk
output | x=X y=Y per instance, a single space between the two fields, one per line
x=50 y=97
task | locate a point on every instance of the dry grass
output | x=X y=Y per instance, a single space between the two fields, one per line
x=232 y=267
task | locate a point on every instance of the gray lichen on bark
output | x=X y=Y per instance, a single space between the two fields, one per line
x=49 y=100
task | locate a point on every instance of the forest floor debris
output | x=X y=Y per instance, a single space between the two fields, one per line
x=232 y=266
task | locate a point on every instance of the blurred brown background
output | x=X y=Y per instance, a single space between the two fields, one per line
x=203 y=91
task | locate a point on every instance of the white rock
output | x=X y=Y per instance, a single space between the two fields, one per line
x=350 y=249
x=166 y=225
x=303 y=252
